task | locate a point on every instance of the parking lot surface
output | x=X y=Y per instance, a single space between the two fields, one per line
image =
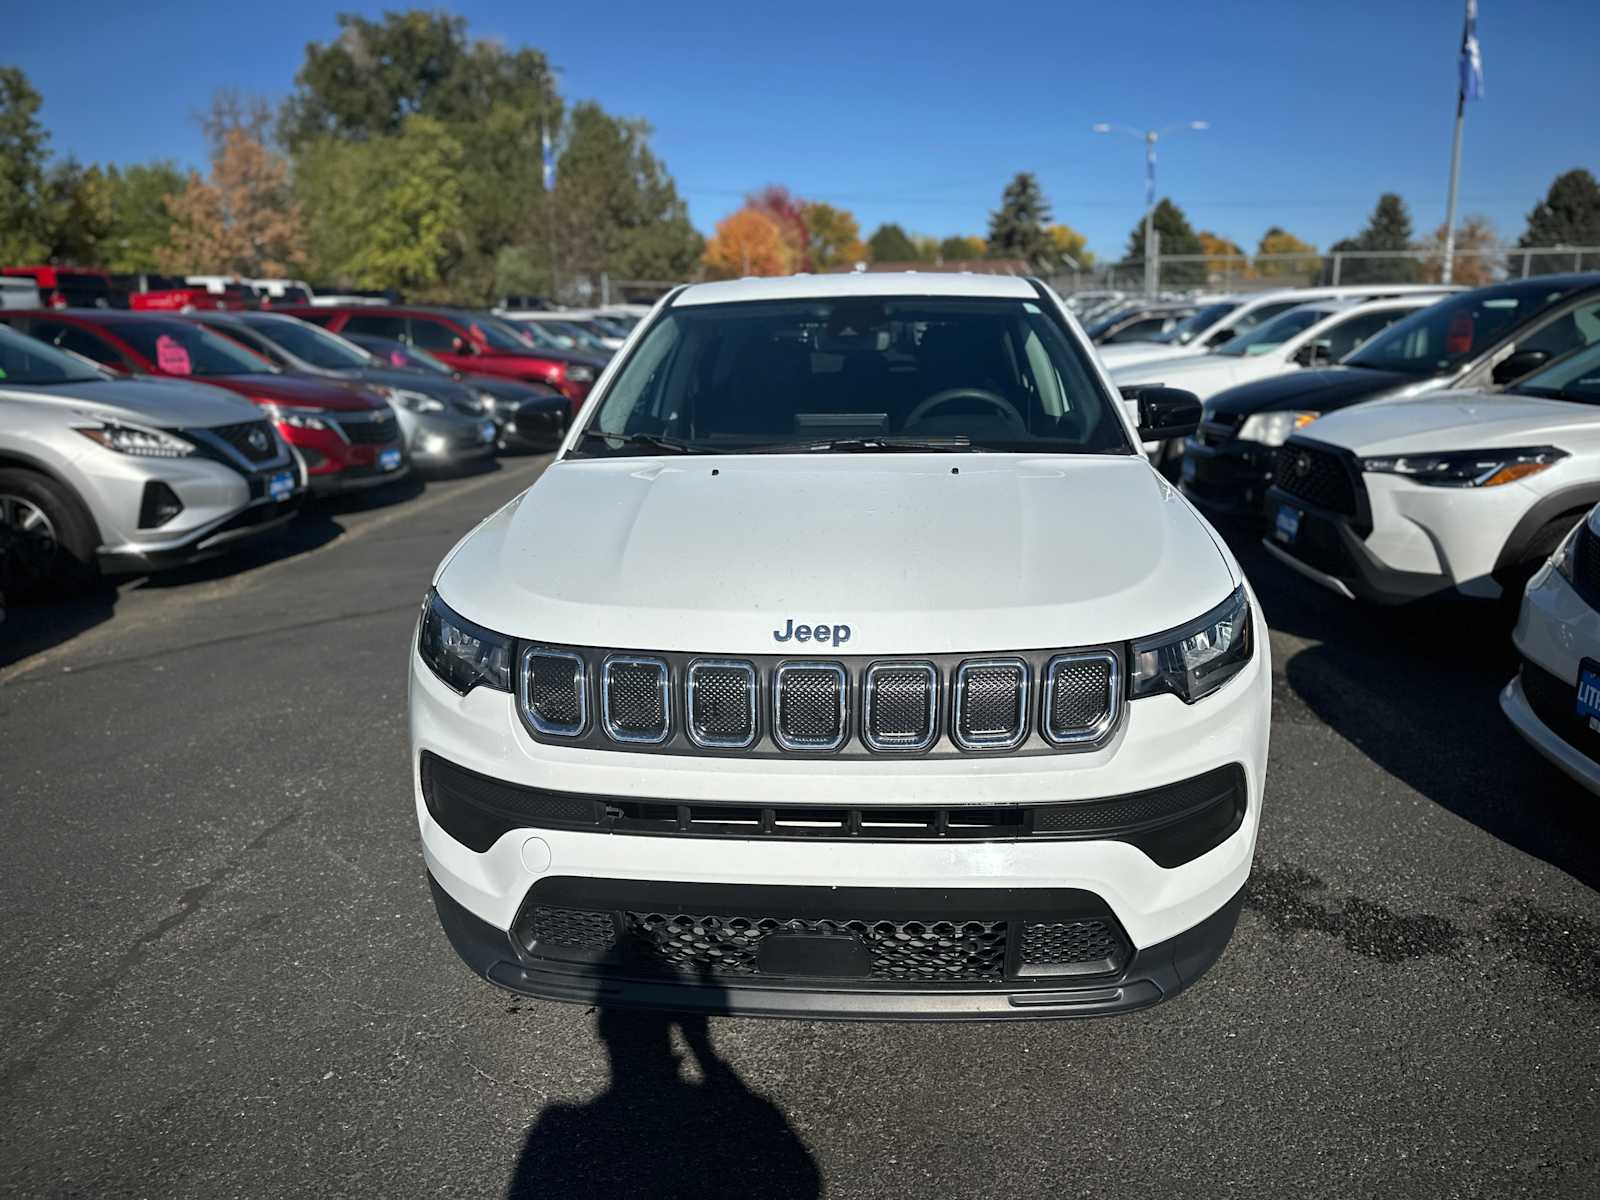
x=221 y=974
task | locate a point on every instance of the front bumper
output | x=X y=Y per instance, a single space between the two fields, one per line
x=1228 y=478
x=445 y=440
x=1326 y=549
x=1556 y=630
x=1153 y=908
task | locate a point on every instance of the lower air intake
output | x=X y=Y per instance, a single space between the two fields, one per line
x=1071 y=948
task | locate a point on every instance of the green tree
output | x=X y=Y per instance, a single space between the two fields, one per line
x=1388 y=229
x=1569 y=215
x=833 y=239
x=24 y=230
x=141 y=222
x=387 y=210
x=78 y=213
x=890 y=244
x=960 y=248
x=1177 y=237
x=617 y=209
x=496 y=103
x=1277 y=240
x=1017 y=229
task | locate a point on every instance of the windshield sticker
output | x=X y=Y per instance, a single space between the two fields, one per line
x=172 y=358
x=396 y=358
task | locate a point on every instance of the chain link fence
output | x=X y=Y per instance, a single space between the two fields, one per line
x=1473 y=266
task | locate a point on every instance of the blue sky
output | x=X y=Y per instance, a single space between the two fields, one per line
x=920 y=113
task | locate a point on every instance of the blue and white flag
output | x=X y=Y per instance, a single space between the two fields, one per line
x=549 y=161
x=1471 y=56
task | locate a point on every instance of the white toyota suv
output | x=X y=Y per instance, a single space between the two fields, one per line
x=851 y=661
x=1398 y=499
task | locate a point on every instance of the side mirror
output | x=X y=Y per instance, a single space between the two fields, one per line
x=1518 y=364
x=1165 y=413
x=1313 y=353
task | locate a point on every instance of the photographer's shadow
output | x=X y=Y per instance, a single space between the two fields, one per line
x=653 y=1133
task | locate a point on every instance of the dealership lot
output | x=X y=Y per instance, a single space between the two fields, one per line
x=223 y=975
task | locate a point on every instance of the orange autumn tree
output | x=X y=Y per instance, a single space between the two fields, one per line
x=243 y=220
x=748 y=242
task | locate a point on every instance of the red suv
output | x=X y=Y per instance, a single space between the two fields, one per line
x=468 y=341
x=76 y=287
x=348 y=435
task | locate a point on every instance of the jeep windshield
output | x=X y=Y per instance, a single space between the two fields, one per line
x=853 y=374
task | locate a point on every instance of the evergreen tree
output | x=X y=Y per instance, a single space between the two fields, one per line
x=1389 y=228
x=1569 y=215
x=1018 y=230
x=889 y=244
x=1177 y=237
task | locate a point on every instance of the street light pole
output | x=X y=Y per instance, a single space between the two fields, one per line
x=1150 y=137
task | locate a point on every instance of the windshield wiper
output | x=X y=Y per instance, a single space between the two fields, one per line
x=869 y=445
x=655 y=441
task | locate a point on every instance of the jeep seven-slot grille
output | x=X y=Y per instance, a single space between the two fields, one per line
x=1319 y=477
x=683 y=704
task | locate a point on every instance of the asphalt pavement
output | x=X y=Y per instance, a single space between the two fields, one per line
x=221 y=974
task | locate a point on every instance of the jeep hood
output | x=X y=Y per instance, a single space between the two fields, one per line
x=918 y=554
x=1458 y=420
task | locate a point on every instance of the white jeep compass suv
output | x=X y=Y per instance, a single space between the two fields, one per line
x=849 y=661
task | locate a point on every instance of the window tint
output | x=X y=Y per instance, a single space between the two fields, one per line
x=79 y=341
x=995 y=374
x=433 y=335
x=1347 y=335
x=1452 y=332
x=389 y=327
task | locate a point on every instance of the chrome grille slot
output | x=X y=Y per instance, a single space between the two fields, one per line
x=810 y=705
x=991 y=706
x=635 y=699
x=553 y=689
x=900 y=706
x=720 y=697
x=1081 y=696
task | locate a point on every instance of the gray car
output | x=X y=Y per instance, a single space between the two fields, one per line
x=127 y=475
x=444 y=423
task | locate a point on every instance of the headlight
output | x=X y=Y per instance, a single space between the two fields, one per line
x=462 y=654
x=296 y=418
x=1273 y=428
x=489 y=401
x=1467 y=468
x=1196 y=659
x=580 y=374
x=144 y=443
x=416 y=402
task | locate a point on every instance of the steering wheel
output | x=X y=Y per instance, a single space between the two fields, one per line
x=994 y=400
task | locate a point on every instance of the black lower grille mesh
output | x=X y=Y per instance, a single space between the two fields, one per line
x=574 y=928
x=1075 y=947
x=1319 y=477
x=899 y=950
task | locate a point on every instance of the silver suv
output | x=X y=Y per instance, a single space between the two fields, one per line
x=127 y=475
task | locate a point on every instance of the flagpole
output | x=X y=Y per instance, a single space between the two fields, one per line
x=1455 y=182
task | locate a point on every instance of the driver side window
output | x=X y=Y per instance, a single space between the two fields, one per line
x=433 y=335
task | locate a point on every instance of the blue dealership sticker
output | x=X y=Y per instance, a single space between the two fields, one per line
x=389 y=459
x=486 y=431
x=1589 y=693
x=1287 y=525
x=281 y=485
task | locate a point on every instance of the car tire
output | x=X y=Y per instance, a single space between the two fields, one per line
x=1513 y=579
x=50 y=542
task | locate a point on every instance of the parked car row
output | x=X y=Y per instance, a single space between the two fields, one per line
x=1437 y=446
x=135 y=440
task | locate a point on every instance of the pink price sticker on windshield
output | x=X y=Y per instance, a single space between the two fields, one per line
x=172 y=358
x=396 y=358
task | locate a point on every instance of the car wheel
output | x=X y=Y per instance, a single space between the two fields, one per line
x=47 y=540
